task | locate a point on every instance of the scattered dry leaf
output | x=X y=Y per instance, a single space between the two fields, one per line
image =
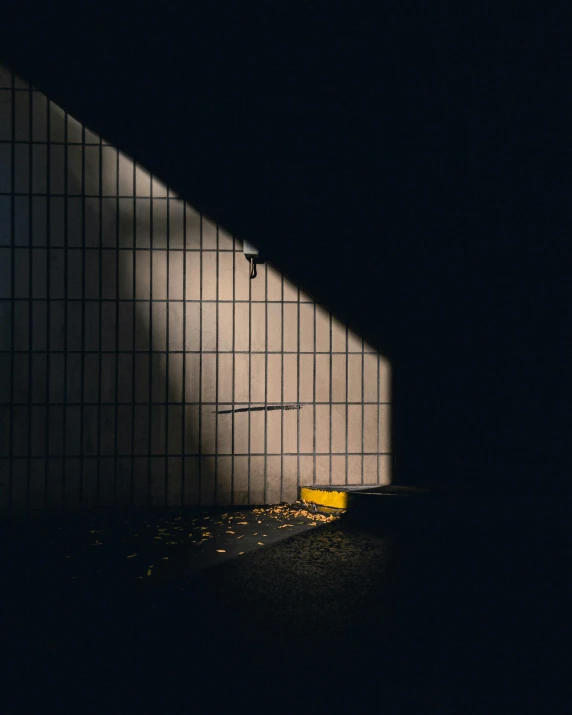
x=260 y=543
x=230 y=532
x=221 y=551
x=131 y=556
x=240 y=537
x=240 y=553
x=242 y=523
x=148 y=572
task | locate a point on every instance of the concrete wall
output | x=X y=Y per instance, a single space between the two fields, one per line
x=139 y=364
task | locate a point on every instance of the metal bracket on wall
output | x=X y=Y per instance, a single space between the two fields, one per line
x=251 y=255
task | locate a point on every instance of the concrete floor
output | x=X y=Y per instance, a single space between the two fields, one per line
x=320 y=616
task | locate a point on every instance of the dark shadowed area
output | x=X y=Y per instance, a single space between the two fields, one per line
x=117 y=615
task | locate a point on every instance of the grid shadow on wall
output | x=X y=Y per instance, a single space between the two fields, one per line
x=140 y=365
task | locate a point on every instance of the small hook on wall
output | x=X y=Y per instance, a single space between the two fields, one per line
x=252 y=268
x=251 y=254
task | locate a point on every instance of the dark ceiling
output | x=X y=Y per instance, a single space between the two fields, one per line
x=374 y=150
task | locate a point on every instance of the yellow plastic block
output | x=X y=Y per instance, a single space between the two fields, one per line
x=325 y=497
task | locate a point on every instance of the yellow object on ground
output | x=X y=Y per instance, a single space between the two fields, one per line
x=325 y=497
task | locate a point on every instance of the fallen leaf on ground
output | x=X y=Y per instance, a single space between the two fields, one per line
x=165 y=558
x=255 y=533
x=240 y=537
x=242 y=523
x=240 y=553
x=230 y=532
x=131 y=556
x=148 y=572
x=259 y=522
x=221 y=551
x=284 y=526
x=260 y=543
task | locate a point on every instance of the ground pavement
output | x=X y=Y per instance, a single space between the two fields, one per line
x=280 y=609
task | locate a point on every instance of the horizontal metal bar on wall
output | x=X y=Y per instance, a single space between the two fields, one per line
x=157 y=455
x=181 y=402
x=143 y=351
x=172 y=301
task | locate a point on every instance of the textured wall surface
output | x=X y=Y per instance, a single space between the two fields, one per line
x=139 y=364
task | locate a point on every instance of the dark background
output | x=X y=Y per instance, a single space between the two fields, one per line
x=407 y=166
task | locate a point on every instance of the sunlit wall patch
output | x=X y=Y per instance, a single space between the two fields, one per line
x=142 y=362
